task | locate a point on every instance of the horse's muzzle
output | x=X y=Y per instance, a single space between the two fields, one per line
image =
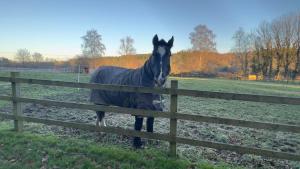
x=160 y=82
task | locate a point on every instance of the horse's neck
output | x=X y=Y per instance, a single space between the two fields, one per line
x=147 y=74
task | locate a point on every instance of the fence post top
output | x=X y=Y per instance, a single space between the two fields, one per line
x=174 y=86
x=174 y=82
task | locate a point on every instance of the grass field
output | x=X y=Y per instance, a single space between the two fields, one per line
x=277 y=113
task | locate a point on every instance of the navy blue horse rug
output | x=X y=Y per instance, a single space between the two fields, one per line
x=153 y=73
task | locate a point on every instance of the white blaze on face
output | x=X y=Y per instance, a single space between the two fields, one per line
x=161 y=51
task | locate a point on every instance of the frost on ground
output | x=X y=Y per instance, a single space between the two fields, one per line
x=279 y=141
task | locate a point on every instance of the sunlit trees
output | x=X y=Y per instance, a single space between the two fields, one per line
x=266 y=49
x=277 y=36
x=206 y=63
x=241 y=48
x=126 y=46
x=203 y=39
x=286 y=40
x=92 y=44
x=296 y=45
x=256 y=54
x=274 y=47
x=289 y=34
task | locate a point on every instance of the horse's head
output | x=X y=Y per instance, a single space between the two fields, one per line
x=160 y=60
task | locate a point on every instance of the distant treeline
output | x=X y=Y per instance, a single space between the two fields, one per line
x=4 y=62
x=208 y=63
x=51 y=64
x=204 y=63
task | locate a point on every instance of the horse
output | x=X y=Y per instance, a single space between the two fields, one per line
x=153 y=73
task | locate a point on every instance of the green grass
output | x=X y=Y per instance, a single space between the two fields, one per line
x=27 y=150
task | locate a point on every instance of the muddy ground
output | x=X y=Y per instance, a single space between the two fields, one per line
x=227 y=134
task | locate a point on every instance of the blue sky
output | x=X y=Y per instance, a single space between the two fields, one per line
x=54 y=27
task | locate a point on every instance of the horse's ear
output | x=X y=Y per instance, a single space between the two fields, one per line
x=155 y=40
x=170 y=42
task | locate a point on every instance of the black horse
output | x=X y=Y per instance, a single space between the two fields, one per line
x=152 y=74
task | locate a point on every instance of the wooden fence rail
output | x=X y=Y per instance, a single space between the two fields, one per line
x=171 y=137
x=181 y=92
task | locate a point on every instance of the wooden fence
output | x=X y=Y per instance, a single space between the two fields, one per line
x=173 y=115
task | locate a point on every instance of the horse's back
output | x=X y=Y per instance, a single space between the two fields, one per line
x=110 y=75
x=106 y=74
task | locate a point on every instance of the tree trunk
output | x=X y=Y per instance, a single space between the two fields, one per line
x=246 y=65
x=270 y=66
x=286 y=65
x=297 y=64
x=278 y=64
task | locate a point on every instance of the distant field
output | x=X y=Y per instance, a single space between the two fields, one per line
x=242 y=109
x=276 y=113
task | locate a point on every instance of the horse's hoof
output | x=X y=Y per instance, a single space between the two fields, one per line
x=104 y=124
x=138 y=145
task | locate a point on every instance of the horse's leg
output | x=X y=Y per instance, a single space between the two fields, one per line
x=137 y=142
x=150 y=121
x=100 y=116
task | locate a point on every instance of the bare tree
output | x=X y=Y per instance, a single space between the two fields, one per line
x=296 y=45
x=266 y=52
x=37 y=57
x=242 y=48
x=92 y=45
x=203 y=39
x=256 y=56
x=126 y=47
x=289 y=32
x=277 y=36
x=277 y=45
x=23 y=55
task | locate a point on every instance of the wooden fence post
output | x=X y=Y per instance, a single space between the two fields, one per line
x=173 y=120
x=17 y=106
